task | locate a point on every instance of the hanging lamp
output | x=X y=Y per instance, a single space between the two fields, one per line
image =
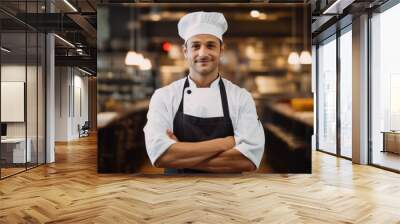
x=305 y=56
x=293 y=58
x=132 y=58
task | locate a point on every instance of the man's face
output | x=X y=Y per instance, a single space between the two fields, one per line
x=203 y=52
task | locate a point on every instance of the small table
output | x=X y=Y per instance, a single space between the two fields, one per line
x=13 y=150
x=391 y=141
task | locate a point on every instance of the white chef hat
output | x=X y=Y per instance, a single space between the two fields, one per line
x=195 y=23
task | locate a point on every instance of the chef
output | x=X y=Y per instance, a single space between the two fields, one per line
x=203 y=123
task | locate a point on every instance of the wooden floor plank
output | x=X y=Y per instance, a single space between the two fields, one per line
x=71 y=191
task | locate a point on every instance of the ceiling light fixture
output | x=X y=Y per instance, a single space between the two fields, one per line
x=305 y=56
x=133 y=58
x=155 y=17
x=5 y=50
x=254 y=13
x=84 y=71
x=70 y=5
x=64 y=40
x=145 y=65
x=337 y=7
x=262 y=16
x=293 y=58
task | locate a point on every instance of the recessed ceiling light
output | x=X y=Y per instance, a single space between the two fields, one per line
x=70 y=5
x=64 y=40
x=337 y=7
x=84 y=71
x=5 y=50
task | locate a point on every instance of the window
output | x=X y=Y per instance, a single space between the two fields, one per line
x=346 y=93
x=327 y=96
x=385 y=88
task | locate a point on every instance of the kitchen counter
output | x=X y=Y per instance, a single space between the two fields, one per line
x=121 y=147
x=305 y=117
x=106 y=118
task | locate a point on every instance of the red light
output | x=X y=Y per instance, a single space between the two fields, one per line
x=166 y=46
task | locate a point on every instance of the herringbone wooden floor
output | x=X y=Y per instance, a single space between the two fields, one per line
x=71 y=191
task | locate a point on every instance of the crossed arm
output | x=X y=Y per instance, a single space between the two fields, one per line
x=216 y=155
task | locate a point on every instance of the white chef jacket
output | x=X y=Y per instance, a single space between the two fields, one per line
x=248 y=130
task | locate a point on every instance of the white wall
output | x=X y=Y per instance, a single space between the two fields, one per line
x=61 y=103
x=71 y=93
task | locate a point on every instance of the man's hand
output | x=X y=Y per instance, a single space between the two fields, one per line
x=190 y=154
x=227 y=161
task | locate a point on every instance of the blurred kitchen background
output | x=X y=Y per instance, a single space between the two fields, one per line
x=267 y=52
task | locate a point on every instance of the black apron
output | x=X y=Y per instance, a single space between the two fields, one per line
x=189 y=128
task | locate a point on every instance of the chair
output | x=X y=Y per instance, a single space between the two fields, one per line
x=84 y=130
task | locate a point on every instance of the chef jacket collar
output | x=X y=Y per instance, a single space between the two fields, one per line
x=214 y=84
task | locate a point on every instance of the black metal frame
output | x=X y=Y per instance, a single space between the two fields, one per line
x=369 y=78
x=26 y=88
x=316 y=97
x=339 y=32
x=338 y=98
x=0 y=90
x=45 y=90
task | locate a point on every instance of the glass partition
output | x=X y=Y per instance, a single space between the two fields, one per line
x=13 y=110
x=22 y=91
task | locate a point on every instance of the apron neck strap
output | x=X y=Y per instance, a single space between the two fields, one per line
x=183 y=93
x=224 y=99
